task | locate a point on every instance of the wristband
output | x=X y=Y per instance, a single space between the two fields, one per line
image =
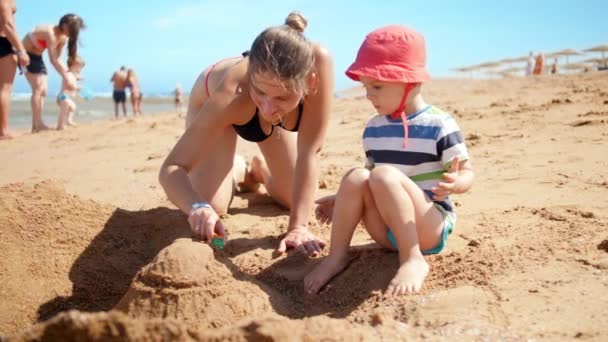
x=198 y=205
x=19 y=52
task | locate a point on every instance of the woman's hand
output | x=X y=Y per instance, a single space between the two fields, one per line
x=302 y=240
x=205 y=223
x=325 y=209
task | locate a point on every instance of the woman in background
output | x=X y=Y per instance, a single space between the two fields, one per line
x=51 y=38
x=12 y=53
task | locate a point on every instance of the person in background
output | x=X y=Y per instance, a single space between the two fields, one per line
x=554 y=67
x=51 y=38
x=119 y=95
x=178 y=99
x=530 y=64
x=539 y=65
x=65 y=101
x=12 y=54
x=136 y=94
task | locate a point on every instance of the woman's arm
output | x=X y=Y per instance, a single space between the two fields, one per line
x=195 y=143
x=311 y=136
x=55 y=49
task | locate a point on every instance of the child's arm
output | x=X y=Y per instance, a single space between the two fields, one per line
x=457 y=180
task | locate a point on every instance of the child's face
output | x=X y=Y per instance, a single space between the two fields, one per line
x=384 y=96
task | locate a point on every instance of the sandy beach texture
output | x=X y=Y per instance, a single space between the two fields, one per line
x=90 y=248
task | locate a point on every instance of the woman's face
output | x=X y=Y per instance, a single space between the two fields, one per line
x=274 y=98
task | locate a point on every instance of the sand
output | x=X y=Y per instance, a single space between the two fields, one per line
x=92 y=250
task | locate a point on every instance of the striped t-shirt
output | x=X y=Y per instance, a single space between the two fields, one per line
x=434 y=140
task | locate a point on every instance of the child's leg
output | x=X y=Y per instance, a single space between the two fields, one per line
x=348 y=211
x=414 y=221
x=63 y=114
x=70 y=118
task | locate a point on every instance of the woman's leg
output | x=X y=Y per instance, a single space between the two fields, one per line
x=38 y=83
x=8 y=68
x=276 y=168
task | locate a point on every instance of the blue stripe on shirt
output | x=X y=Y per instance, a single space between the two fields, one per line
x=396 y=131
x=448 y=141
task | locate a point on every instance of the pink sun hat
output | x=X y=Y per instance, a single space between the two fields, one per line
x=392 y=53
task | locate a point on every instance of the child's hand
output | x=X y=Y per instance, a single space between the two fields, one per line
x=325 y=208
x=450 y=178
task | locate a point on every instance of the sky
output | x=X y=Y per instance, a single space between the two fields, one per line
x=169 y=42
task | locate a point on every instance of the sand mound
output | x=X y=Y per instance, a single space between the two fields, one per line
x=60 y=252
x=185 y=281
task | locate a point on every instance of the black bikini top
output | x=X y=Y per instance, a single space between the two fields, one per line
x=252 y=131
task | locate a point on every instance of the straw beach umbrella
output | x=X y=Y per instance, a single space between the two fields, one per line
x=598 y=61
x=512 y=70
x=566 y=52
x=600 y=48
x=576 y=66
x=464 y=69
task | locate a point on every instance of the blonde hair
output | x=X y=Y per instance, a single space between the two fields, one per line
x=77 y=60
x=284 y=51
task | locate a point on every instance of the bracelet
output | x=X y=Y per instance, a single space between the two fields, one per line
x=19 y=52
x=198 y=205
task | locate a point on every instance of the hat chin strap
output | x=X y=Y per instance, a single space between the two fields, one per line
x=401 y=111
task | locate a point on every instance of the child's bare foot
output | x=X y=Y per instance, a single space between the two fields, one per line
x=60 y=127
x=322 y=274
x=72 y=123
x=39 y=128
x=409 y=277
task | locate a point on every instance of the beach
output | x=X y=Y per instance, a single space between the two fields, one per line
x=92 y=249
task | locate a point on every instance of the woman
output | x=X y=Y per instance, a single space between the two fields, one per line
x=9 y=47
x=53 y=39
x=283 y=84
x=136 y=95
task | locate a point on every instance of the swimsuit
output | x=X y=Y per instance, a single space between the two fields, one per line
x=252 y=131
x=119 y=96
x=36 y=65
x=449 y=221
x=5 y=47
x=39 y=43
x=62 y=96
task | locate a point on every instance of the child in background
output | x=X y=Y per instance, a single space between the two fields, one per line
x=416 y=159
x=67 y=107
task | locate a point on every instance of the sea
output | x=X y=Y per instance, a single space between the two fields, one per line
x=100 y=106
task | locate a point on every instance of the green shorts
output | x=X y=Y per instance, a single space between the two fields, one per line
x=449 y=220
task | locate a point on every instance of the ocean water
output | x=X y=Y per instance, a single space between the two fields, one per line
x=97 y=108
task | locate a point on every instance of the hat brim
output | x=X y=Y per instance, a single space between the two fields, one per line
x=388 y=73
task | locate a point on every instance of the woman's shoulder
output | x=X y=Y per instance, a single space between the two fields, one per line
x=322 y=53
